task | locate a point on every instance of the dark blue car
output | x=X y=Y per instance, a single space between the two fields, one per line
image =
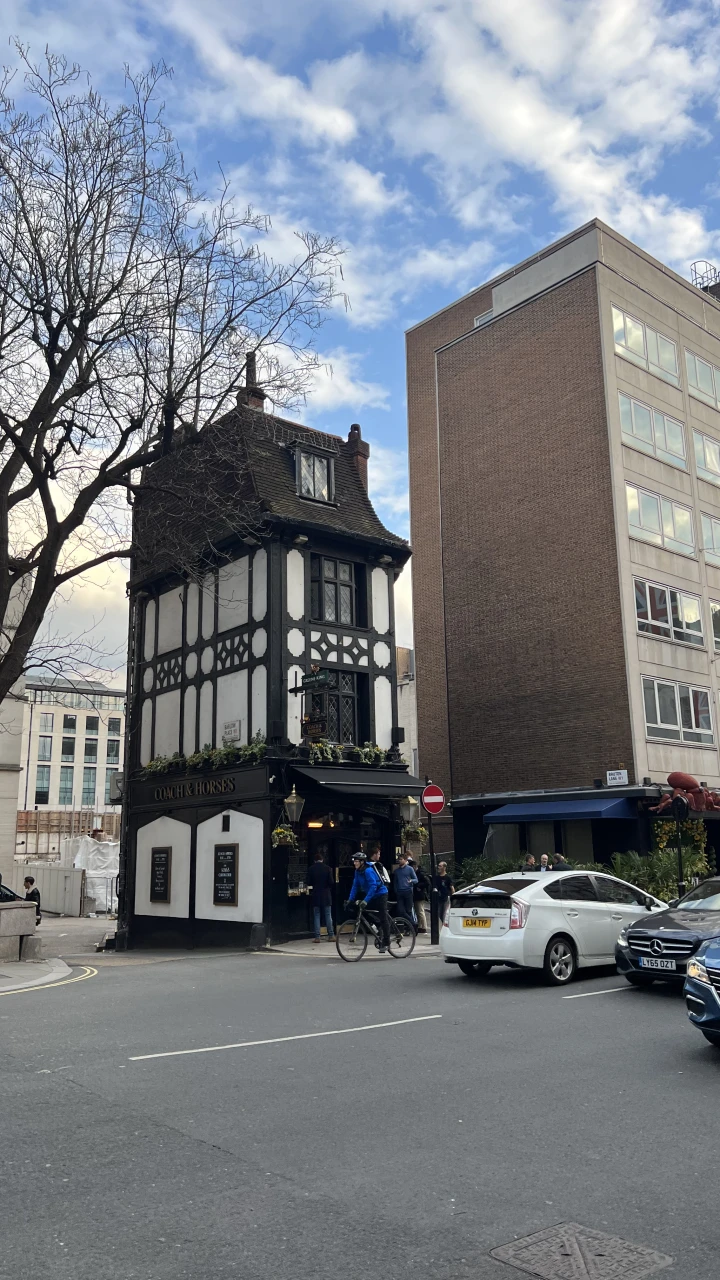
x=702 y=990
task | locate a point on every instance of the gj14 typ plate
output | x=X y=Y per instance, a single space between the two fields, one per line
x=649 y=962
x=476 y=922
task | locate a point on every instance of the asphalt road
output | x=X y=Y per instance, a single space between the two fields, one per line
x=408 y=1150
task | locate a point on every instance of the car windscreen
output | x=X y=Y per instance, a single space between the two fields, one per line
x=509 y=884
x=704 y=897
x=490 y=901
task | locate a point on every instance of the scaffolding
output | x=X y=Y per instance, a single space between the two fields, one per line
x=39 y=832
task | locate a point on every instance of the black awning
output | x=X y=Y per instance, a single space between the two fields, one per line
x=386 y=783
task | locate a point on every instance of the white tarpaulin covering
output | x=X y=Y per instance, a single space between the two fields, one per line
x=100 y=860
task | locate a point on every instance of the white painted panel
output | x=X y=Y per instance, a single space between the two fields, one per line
x=208 y=606
x=167 y=723
x=380 y=601
x=295 y=642
x=260 y=576
x=233 y=594
x=206 y=721
x=259 y=642
x=294 y=706
x=189 y=714
x=170 y=620
x=164 y=833
x=148 y=679
x=295 y=575
x=191 y=666
x=383 y=712
x=246 y=832
x=149 y=648
x=259 y=701
x=381 y=654
x=191 y=613
x=232 y=702
x=146 y=731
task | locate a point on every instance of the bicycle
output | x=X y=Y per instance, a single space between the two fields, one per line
x=352 y=937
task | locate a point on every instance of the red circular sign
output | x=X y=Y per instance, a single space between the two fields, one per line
x=433 y=799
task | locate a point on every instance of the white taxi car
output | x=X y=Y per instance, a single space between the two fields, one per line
x=557 y=921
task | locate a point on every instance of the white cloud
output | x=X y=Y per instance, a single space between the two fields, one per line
x=388 y=486
x=337 y=386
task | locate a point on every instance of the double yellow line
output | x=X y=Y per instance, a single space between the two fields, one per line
x=47 y=986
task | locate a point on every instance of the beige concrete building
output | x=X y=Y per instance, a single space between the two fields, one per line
x=12 y=713
x=407 y=705
x=72 y=747
x=565 y=499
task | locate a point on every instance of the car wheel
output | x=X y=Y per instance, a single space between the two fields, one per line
x=474 y=968
x=560 y=962
x=640 y=979
x=713 y=1037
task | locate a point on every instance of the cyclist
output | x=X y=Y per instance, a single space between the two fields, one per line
x=369 y=889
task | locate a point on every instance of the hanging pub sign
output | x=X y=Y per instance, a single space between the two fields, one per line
x=316 y=679
x=160 y=867
x=314 y=727
x=225 y=878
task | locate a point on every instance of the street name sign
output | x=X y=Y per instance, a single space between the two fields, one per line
x=433 y=799
x=617 y=777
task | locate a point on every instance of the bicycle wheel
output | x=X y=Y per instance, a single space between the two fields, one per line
x=402 y=938
x=351 y=940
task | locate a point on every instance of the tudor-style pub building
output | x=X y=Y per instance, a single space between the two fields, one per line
x=298 y=587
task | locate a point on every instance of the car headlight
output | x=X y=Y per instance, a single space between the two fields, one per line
x=697 y=971
x=623 y=938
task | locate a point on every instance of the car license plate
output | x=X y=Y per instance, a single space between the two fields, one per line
x=649 y=962
x=477 y=922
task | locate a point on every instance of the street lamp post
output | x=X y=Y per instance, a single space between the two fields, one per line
x=680 y=810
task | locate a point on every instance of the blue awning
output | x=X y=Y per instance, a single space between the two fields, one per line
x=562 y=810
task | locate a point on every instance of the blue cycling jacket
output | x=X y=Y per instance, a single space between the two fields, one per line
x=367 y=884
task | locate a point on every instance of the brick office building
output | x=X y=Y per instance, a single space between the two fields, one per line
x=564 y=424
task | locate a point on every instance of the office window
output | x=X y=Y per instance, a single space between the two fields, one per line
x=711 y=538
x=114 y=725
x=68 y=749
x=69 y=724
x=315 y=476
x=91 y=751
x=88 y=787
x=46 y=722
x=715 y=616
x=659 y=520
x=636 y=341
x=677 y=712
x=666 y=612
x=652 y=431
x=109 y=775
x=707 y=457
x=92 y=724
x=332 y=591
x=65 y=795
x=703 y=379
x=113 y=751
x=42 y=784
x=44 y=748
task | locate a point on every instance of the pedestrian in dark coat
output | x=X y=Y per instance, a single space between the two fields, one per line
x=33 y=895
x=444 y=887
x=320 y=879
x=420 y=895
x=404 y=881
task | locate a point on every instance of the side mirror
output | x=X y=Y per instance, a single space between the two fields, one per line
x=649 y=904
x=673 y=903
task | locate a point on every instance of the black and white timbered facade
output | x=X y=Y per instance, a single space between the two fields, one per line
x=220 y=656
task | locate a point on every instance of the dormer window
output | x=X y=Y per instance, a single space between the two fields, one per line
x=315 y=476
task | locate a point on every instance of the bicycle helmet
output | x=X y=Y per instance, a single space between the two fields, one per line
x=359 y=856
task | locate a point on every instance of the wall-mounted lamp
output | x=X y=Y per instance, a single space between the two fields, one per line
x=409 y=810
x=294 y=805
x=385 y=560
x=300 y=540
x=315 y=824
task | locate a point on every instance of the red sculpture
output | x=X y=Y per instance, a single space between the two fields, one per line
x=698 y=798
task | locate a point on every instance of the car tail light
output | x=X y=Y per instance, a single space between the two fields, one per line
x=518 y=914
x=446 y=918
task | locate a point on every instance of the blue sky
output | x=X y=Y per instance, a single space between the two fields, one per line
x=439 y=142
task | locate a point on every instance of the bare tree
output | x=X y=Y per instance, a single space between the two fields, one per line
x=129 y=303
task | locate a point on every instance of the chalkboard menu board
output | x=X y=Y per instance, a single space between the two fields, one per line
x=160 y=865
x=225 y=886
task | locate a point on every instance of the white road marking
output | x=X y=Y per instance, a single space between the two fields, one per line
x=606 y=992
x=310 y=1035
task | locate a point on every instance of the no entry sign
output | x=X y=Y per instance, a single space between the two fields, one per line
x=433 y=799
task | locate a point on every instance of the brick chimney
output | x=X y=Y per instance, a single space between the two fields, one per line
x=251 y=394
x=359 y=451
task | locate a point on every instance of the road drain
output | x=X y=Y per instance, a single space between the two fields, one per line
x=570 y=1252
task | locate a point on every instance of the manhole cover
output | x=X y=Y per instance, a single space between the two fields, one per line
x=569 y=1252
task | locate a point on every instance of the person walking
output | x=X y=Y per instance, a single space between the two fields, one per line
x=320 y=879
x=368 y=888
x=33 y=895
x=444 y=887
x=420 y=893
x=374 y=860
x=404 y=881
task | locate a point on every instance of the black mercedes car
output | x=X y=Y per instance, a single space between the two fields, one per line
x=660 y=946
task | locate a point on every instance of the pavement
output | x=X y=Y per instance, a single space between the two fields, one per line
x=280 y=1117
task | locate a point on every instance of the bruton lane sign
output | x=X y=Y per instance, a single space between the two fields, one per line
x=433 y=799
